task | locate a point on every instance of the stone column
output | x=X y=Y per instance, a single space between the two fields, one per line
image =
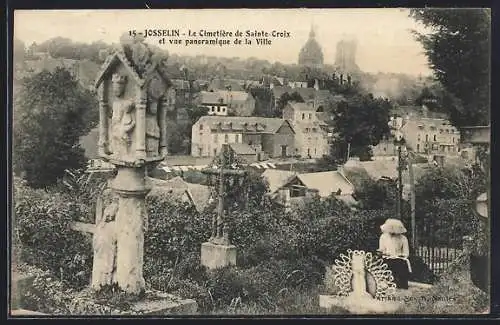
x=130 y=184
x=103 y=121
x=162 y=105
x=140 y=125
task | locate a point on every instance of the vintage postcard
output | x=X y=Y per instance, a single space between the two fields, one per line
x=250 y=162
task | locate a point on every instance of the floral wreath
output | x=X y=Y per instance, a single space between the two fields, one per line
x=375 y=267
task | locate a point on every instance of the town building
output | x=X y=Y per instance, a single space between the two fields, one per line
x=311 y=53
x=84 y=71
x=385 y=148
x=268 y=137
x=427 y=133
x=474 y=139
x=227 y=103
x=311 y=140
x=217 y=84
x=289 y=186
x=431 y=136
x=317 y=98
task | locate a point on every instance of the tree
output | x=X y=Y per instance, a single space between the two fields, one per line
x=18 y=50
x=283 y=101
x=458 y=50
x=263 y=101
x=377 y=195
x=51 y=113
x=360 y=122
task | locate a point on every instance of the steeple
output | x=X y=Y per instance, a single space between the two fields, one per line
x=311 y=53
x=312 y=34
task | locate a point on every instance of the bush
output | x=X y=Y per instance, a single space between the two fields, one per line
x=42 y=222
x=174 y=230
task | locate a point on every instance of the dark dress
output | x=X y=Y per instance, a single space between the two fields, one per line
x=400 y=271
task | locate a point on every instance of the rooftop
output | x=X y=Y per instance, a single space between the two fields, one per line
x=243 y=123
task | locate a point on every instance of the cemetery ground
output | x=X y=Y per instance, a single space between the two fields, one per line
x=280 y=264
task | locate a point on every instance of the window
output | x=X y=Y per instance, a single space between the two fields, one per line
x=310 y=115
x=315 y=130
x=223 y=109
x=418 y=137
x=226 y=138
x=201 y=127
x=426 y=137
x=218 y=108
x=418 y=147
x=237 y=138
x=453 y=140
x=435 y=137
x=303 y=116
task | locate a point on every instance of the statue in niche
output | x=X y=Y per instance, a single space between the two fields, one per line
x=156 y=90
x=152 y=129
x=104 y=241
x=122 y=120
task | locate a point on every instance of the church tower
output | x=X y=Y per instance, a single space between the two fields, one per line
x=311 y=53
x=345 y=58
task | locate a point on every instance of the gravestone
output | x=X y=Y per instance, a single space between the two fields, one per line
x=132 y=87
x=218 y=251
x=363 y=285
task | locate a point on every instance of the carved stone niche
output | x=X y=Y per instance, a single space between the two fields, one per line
x=132 y=111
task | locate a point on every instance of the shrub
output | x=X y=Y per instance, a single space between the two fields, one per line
x=42 y=222
x=174 y=230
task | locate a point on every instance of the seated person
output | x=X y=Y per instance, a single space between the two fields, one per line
x=393 y=246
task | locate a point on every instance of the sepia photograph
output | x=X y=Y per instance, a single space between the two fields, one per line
x=250 y=162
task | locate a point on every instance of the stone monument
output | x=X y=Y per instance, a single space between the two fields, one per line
x=218 y=251
x=132 y=87
x=363 y=283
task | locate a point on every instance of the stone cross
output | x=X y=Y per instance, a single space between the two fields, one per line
x=132 y=88
x=220 y=230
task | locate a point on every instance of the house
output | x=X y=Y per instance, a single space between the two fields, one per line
x=431 y=136
x=271 y=137
x=217 y=84
x=224 y=102
x=287 y=184
x=245 y=152
x=179 y=190
x=85 y=71
x=315 y=97
x=360 y=171
x=297 y=84
x=473 y=138
x=385 y=148
x=311 y=140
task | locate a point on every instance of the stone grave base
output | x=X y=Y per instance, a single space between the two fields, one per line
x=161 y=303
x=359 y=305
x=25 y=312
x=215 y=256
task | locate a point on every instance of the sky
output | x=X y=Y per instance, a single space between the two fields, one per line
x=384 y=39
